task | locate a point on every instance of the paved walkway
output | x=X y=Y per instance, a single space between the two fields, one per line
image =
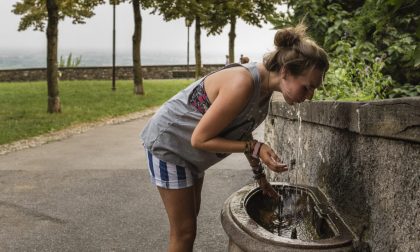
x=91 y=192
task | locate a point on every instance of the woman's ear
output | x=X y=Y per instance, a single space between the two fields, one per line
x=283 y=73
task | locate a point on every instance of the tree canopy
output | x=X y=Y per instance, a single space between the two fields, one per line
x=34 y=12
x=221 y=13
x=251 y=12
x=376 y=36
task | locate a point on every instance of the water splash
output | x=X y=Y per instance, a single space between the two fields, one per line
x=322 y=157
x=294 y=217
x=358 y=120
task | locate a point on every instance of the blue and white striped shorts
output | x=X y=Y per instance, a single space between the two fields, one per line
x=168 y=175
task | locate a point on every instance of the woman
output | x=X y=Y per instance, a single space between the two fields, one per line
x=215 y=116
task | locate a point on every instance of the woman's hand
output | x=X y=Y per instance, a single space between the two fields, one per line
x=271 y=160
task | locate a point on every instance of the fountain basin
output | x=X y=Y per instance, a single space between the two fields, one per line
x=244 y=219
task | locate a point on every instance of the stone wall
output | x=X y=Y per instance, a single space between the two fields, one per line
x=364 y=156
x=105 y=73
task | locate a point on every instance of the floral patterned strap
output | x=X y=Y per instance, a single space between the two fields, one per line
x=199 y=100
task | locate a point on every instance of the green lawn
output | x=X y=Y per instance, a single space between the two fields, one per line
x=23 y=105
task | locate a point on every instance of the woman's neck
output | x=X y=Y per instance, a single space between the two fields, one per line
x=265 y=80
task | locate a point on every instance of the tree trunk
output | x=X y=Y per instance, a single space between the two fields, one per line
x=232 y=36
x=138 y=75
x=197 y=47
x=54 y=105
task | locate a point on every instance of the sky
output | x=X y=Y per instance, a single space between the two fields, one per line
x=157 y=35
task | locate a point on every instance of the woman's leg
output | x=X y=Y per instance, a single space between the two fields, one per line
x=182 y=206
x=198 y=185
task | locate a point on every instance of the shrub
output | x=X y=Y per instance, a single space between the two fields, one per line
x=351 y=77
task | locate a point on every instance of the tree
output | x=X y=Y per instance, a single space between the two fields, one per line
x=224 y=12
x=191 y=10
x=137 y=73
x=36 y=13
x=138 y=76
x=136 y=38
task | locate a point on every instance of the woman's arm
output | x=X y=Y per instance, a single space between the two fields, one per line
x=234 y=88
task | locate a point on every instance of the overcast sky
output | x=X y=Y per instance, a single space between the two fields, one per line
x=158 y=35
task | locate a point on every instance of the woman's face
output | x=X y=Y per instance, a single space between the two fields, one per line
x=297 y=89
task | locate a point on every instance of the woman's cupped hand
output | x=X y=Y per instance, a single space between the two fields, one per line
x=271 y=159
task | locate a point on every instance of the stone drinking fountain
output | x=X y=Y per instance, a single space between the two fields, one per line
x=353 y=182
x=303 y=220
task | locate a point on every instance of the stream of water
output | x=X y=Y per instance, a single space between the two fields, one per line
x=289 y=219
x=299 y=149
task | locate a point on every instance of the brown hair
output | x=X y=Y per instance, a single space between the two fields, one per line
x=296 y=52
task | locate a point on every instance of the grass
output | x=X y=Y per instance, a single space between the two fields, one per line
x=23 y=105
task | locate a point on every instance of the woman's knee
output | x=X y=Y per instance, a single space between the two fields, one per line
x=185 y=232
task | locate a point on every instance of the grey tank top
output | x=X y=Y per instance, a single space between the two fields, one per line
x=168 y=133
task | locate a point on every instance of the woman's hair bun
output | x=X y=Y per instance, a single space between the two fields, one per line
x=295 y=52
x=288 y=37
